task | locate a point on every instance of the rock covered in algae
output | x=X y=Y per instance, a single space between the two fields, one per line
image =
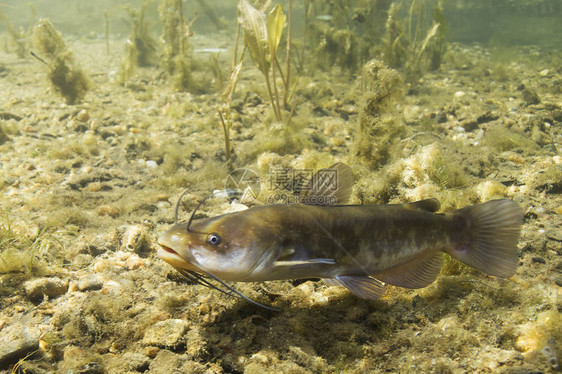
x=49 y=287
x=16 y=342
x=64 y=74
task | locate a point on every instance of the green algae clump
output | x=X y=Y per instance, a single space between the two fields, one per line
x=64 y=74
x=175 y=57
x=378 y=131
x=141 y=47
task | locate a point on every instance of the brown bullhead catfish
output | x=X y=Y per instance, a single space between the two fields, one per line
x=360 y=247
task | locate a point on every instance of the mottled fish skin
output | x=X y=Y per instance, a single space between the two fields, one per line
x=357 y=246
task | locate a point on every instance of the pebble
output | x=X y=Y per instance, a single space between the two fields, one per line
x=50 y=287
x=166 y=334
x=83 y=116
x=459 y=94
x=151 y=164
x=538 y=260
x=136 y=361
x=544 y=72
x=16 y=342
x=90 y=283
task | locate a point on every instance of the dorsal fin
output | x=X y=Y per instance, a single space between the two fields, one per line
x=431 y=205
x=330 y=186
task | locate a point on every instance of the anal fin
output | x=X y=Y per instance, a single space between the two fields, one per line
x=417 y=273
x=362 y=286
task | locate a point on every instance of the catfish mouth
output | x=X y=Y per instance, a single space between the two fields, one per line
x=174 y=258
x=168 y=249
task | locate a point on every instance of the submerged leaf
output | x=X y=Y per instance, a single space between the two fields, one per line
x=227 y=94
x=255 y=34
x=430 y=34
x=275 y=25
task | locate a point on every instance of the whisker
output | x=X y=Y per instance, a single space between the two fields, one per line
x=200 y=279
x=178 y=206
x=241 y=294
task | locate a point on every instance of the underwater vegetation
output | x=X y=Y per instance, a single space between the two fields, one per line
x=344 y=33
x=141 y=46
x=262 y=35
x=378 y=127
x=175 y=57
x=87 y=189
x=420 y=45
x=66 y=77
x=26 y=255
x=18 y=38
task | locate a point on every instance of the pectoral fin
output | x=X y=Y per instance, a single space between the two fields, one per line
x=312 y=261
x=362 y=286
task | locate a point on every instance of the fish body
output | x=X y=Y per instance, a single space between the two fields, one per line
x=355 y=246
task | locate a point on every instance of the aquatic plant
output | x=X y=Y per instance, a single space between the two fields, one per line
x=175 y=57
x=262 y=35
x=141 y=47
x=63 y=72
x=24 y=255
x=395 y=42
x=333 y=37
x=224 y=109
x=406 y=48
x=343 y=33
x=438 y=46
x=209 y=11
x=377 y=130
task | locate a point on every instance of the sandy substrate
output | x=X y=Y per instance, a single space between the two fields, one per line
x=86 y=190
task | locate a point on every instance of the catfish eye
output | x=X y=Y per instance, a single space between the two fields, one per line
x=214 y=239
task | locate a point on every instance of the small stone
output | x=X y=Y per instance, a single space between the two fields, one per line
x=166 y=334
x=530 y=97
x=78 y=360
x=90 y=283
x=538 y=260
x=136 y=361
x=162 y=197
x=544 y=72
x=50 y=287
x=83 y=116
x=151 y=351
x=196 y=344
x=108 y=210
x=459 y=94
x=151 y=164
x=487 y=117
x=16 y=342
x=469 y=124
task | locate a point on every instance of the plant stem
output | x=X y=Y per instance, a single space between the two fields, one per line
x=234 y=58
x=226 y=129
x=268 y=84
x=288 y=62
x=276 y=92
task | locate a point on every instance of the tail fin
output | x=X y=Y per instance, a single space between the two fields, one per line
x=491 y=233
